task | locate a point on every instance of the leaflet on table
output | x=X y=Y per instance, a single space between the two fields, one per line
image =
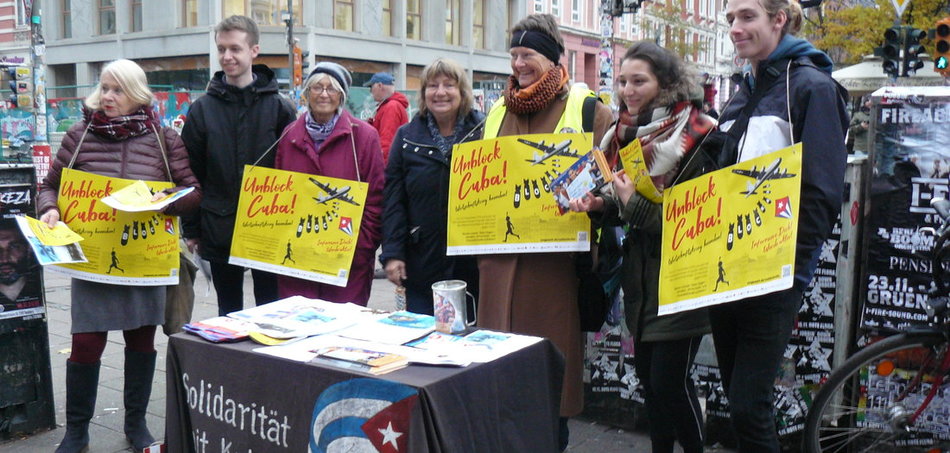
x=123 y=248
x=46 y=253
x=298 y=316
x=137 y=197
x=731 y=234
x=395 y=329
x=299 y=225
x=479 y=346
x=500 y=197
x=588 y=174
x=219 y=329
x=307 y=349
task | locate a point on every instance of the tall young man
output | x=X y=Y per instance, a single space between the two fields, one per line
x=238 y=120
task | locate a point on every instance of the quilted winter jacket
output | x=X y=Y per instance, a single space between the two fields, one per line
x=134 y=158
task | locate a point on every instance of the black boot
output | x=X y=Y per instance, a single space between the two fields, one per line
x=139 y=370
x=82 y=381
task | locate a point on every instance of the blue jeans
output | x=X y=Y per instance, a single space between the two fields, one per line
x=229 y=285
x=751 y=336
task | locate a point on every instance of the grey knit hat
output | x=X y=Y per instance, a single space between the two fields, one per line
x=333 y=70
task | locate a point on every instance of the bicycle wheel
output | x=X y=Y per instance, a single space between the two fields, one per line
x=867 y=403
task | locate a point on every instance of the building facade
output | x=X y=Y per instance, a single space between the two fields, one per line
x=14 y=31
x=174 y=39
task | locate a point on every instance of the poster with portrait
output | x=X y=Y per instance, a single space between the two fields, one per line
x=910 y=156
x=21 y=277
x=730 y=234
x=501 y=200
x=297 y=224
x=122 y=248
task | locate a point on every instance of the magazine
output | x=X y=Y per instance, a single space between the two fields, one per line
x=51 y=245
x=366 y=360
x=588 y=174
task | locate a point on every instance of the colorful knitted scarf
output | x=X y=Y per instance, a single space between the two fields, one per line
x=667 y=134
x=139 y=122
x=320 y=131
x=534 y=98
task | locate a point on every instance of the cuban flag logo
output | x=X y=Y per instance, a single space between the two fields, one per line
x=170 y=225
x=346 y=225
x=363 y=415
x=783 y=208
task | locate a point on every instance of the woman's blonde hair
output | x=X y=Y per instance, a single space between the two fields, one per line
x=131 y=79
x=452 y=70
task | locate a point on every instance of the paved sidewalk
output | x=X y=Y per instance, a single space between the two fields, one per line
x=106 y=427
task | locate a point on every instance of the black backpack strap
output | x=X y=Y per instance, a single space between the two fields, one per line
x=587 y=113
x=773 y=73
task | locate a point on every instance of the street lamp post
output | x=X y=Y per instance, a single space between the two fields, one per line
x=289 y=20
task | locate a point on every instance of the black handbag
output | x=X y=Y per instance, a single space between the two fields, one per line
x=598 y=274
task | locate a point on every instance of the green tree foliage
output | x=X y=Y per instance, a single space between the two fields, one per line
x=848 y=33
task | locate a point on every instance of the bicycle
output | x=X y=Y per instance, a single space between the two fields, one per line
x=880 y=399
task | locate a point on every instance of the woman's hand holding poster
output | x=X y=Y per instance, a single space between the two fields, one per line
x=500 y=198
x=297 y=224
x=731 y=234
x=122 y=248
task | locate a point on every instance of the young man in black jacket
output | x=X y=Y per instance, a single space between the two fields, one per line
x=787 y=96
x=238 y=120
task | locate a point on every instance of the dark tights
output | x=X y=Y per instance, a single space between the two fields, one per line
x=88 y=346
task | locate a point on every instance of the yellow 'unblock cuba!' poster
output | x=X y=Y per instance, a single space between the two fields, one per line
x=123 y=248
x=730 y=234
x=297 y=224
x=500 y=199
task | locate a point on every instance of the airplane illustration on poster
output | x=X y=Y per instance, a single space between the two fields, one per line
x=333 y=193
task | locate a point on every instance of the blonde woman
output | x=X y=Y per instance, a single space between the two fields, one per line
x=120 y=136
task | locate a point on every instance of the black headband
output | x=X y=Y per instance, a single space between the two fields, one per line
x=541 y=42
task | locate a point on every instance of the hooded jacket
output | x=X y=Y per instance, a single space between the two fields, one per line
x=228 y=128
x=416 y=200
x=819 y=120
x=390 y=116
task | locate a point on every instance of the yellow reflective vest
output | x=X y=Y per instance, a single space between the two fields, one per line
x=571 y=120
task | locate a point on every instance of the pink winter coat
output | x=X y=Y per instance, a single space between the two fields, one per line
x=334 y=158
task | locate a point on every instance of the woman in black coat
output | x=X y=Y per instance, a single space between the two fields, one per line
x=415 y=199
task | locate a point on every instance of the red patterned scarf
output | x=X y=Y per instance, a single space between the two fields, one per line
x=121 y=127
x=667 y=134
x=534 y=98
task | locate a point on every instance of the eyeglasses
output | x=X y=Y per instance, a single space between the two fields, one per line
x=329 y=90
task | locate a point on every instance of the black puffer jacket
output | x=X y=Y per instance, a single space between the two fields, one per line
x=228 y=128
x=415 y=211
x=133 y=158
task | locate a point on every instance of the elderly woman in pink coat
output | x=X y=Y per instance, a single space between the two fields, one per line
x=329 y=141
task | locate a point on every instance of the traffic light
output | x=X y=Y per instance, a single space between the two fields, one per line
x=298 y=66
x=9 y=75
x=892 y=51
x=942 y=47
x=912 y=50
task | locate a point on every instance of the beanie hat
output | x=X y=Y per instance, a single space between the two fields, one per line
x=333 y=70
